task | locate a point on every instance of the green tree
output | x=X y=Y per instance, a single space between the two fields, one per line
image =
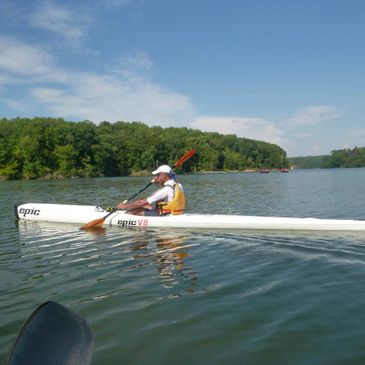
x=38 y=147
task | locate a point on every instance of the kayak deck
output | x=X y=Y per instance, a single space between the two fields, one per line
x=82 y=214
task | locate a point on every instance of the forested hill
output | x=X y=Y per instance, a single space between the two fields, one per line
x=339 y=158
x=46 y=147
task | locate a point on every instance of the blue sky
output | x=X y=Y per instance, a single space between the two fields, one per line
x=288 y=72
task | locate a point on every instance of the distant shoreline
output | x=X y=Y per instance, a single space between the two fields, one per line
x=145 y=173
x=141 y=173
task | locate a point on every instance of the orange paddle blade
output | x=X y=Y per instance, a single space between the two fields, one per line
x=95 y=223
x=185 y=157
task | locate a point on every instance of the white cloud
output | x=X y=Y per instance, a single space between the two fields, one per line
x=81 y=95
x=253 y=128
x=20 y=59
x=98 y=98
x=61 y=20
x=136 y=63
x=4 y=79
x=312 y=115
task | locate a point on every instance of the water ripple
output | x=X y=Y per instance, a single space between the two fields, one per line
x=179 y=296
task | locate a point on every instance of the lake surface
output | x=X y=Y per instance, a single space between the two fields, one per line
x=196 y=297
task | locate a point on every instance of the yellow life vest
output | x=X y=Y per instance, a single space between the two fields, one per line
x=176 y=205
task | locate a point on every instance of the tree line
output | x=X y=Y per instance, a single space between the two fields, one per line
x=55 y=148
x=338 y=158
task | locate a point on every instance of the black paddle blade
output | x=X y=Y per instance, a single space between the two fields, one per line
x=53 y=335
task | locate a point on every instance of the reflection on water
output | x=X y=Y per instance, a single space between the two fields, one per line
x=168 y=253
x=171 y=250
x=104 y=255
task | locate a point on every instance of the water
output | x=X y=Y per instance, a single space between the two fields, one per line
x=196 y=297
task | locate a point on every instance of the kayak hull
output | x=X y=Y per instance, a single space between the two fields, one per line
x=82 y=214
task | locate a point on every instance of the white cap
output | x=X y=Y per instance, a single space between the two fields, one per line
x=166 y=169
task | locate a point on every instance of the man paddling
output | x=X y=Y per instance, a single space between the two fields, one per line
x=169 y=199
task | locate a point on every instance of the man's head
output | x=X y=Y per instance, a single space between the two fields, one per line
x=162 y=174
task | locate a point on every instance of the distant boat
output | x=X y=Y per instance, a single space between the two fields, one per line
x=264 y=171
x=284 y=169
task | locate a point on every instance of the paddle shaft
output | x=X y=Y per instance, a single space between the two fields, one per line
x=139 y=192
x=130 y=198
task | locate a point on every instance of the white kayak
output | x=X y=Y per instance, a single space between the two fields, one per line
x=82 y=214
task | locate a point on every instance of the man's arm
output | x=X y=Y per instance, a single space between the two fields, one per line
x=137 y=204
x=147 y=203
